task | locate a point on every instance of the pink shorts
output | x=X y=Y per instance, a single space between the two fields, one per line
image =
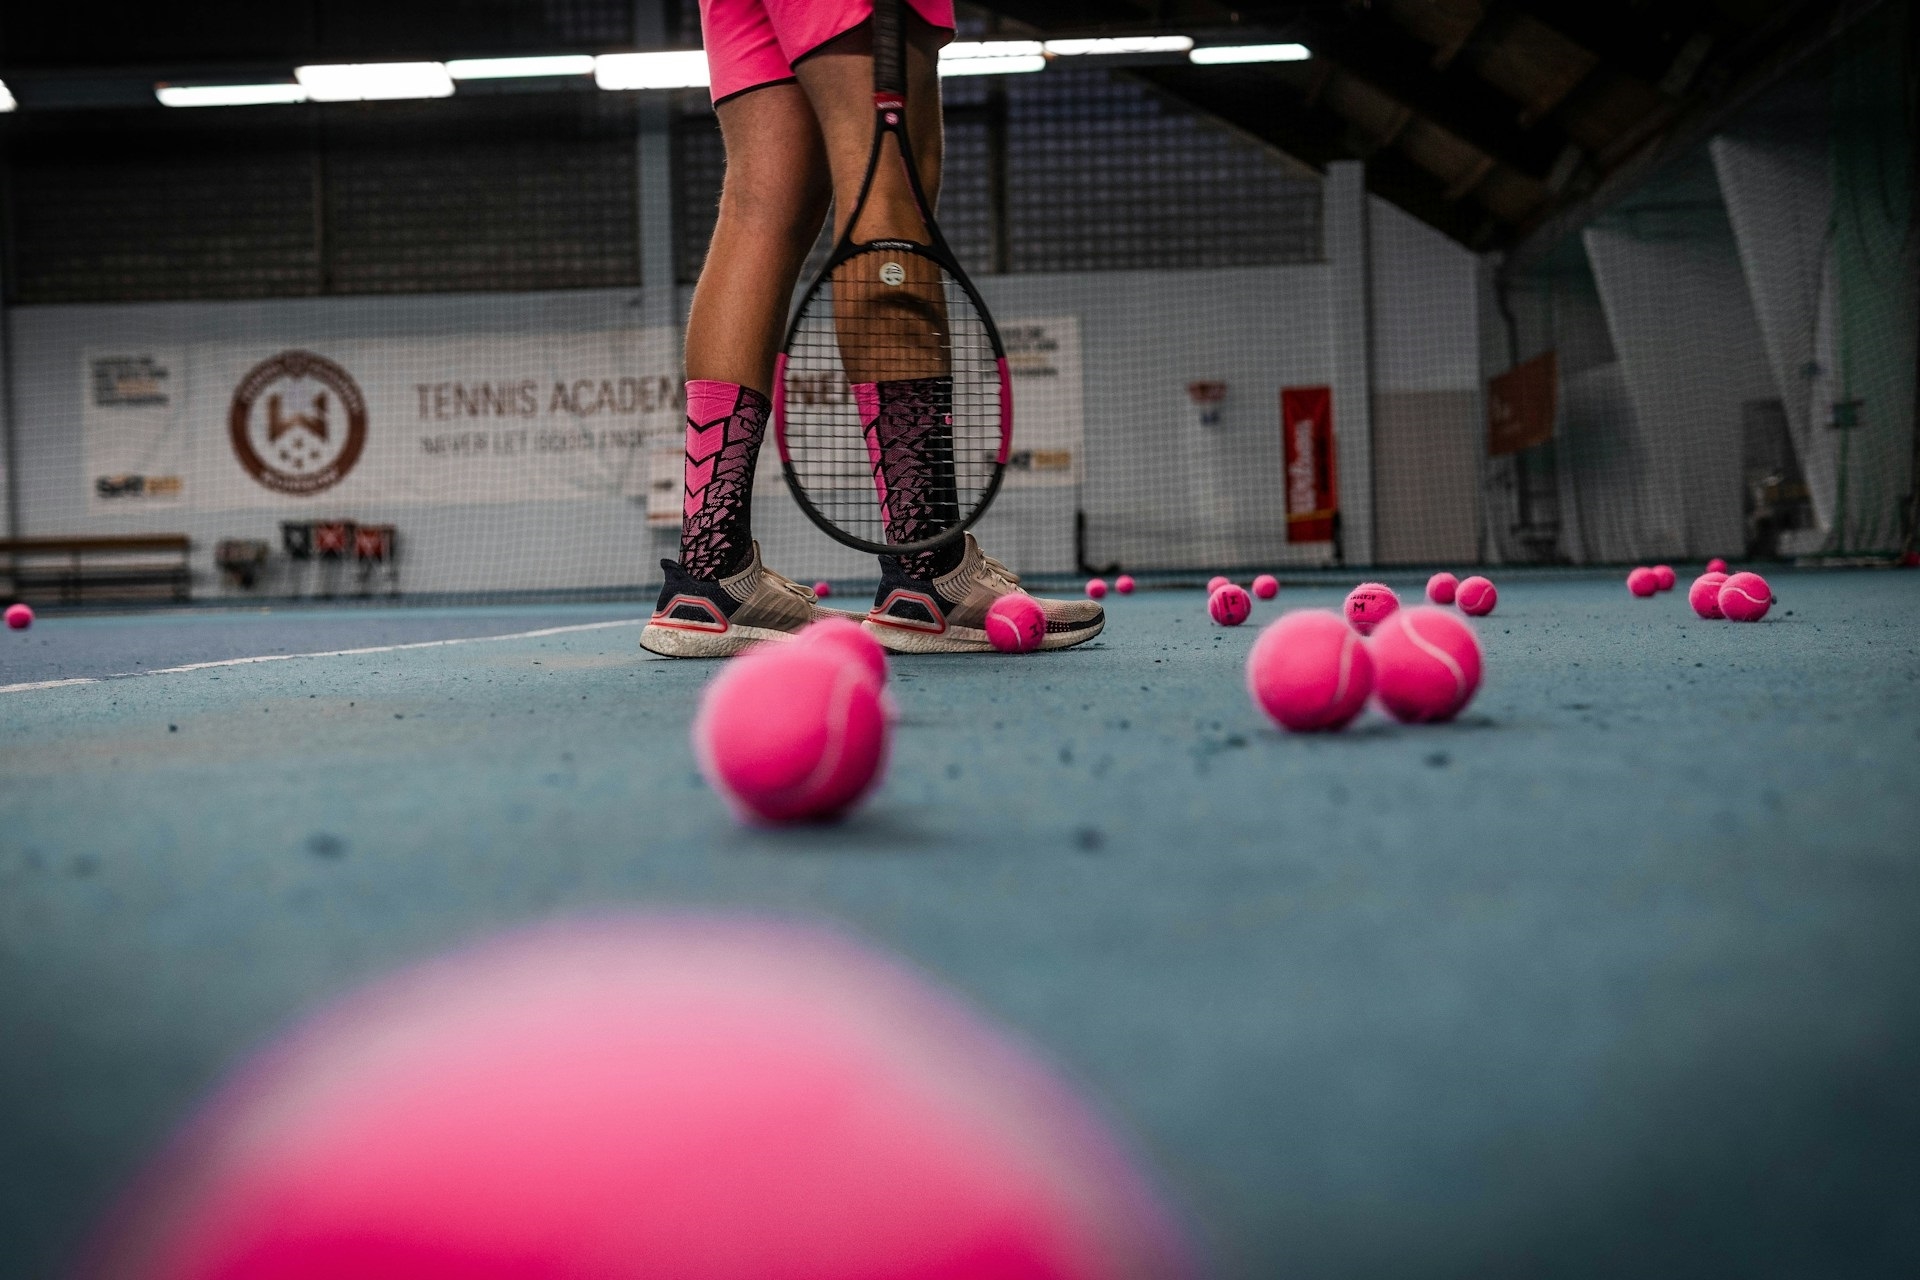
x=751 y=43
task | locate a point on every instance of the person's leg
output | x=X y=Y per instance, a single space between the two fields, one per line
x=893 y=338
x=772 y=204
x=838 y=79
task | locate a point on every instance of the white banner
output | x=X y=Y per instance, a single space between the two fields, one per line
x=1048 y=426
x=486 y=419
x=218 y=426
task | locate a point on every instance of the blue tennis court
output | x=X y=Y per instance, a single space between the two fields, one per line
x=1618 y=973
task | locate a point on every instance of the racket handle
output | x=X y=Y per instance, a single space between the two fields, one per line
x=889 y=54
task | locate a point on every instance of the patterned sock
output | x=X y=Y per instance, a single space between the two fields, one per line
x=909 y=425
x=725 y=422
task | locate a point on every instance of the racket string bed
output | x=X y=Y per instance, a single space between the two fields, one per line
x=865 y=348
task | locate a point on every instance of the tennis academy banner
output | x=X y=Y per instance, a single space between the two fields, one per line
x=1306 y=431
x=224 y=425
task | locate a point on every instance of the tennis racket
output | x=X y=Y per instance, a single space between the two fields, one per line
x=892 y=406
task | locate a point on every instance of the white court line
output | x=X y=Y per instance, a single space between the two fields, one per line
x=329 y=653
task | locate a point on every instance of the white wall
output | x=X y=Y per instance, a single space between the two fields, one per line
x=1429 y=442
x=1391 y=314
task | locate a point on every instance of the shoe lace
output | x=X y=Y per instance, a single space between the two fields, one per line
x=787 y=584
x=991 y=568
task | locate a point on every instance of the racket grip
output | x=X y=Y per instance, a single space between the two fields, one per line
x=889 y=52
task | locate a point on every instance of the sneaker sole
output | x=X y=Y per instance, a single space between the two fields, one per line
x=965 y=639
x=685 y=642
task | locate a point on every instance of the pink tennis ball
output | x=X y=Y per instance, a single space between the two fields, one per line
x=1216 y=582
x=1442 y=587
x=1266 y=586
x=1745 y=597
x=1229 y=605
x=851 y=641
x=1016 y=623
x=1643 y=582
x=1124 y=584
x=1310 y=671
x=1663 y=576
x=1096 y=588
x=1476 y=597
x=1716 y=565
x=1368 y=605
x=638 y=1097
x=1426 y=664
x=19 y=617
x=1704 y=594
x=821 y=590
x=791 y=733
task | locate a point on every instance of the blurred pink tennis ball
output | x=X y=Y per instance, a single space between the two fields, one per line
x=1476 y=597
x=1704 y=594
x=822 y=590
x=1216 y=582
x=1229 y=605
x=1716 y=565
x=1266 y=586
x=1643 y=582
x=1426 y=664
x=1016 y=623
x=1310 y=671
x=638 y=1098
x=1745 y=597
x=1096 y=588
x=851 y=641
x=19 y=617
x=1369 y=604
x=1124 y=584
x=791 y=732
x=1441 y=588
x=1663 y=576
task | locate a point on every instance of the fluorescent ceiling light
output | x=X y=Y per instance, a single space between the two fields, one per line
x=991 y=66
x=673 y=69
x=1220 y=54
x=564 y=64
x=1120 y=44
x=992 y=57
x=968 y=50
x=6 y=98
x=375 y=81
x=227 y=95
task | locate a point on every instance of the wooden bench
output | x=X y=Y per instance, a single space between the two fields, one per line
x=69 y=570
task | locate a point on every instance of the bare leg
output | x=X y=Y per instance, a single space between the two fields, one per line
x=838 y=80
x=893 y=336
x=771 y=207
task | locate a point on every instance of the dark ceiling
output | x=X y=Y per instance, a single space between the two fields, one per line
x=1488 y=119
x=1499 y=122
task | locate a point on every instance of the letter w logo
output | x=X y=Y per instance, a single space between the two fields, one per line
x=315 y=422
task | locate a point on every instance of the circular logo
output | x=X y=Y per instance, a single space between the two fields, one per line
x=298 y=423
x=893 y=273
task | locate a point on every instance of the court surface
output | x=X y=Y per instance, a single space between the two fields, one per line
x=1618 y=975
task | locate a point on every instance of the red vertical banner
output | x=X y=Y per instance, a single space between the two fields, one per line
x=1306 y=434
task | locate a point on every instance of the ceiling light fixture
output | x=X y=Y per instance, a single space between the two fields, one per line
x=374 y=81
x=1109 y=45
x=228 y=95
x=671 y=69
x=1221 y=55
x=562 y=64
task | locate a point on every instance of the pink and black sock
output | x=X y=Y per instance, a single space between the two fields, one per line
x=725 y=423
x=909 y=426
